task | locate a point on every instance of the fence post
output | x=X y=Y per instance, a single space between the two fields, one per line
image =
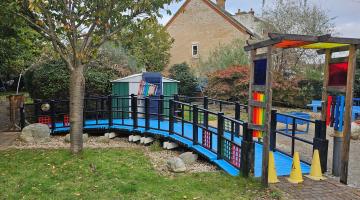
x=220 y=128
x=52 y=115
x=195 y=124
x=237 y=117
x=109 y=104
x=206 y=114
x=247 y=152
x=273 y=130
x=171 y=116
x=134 y=111
x=161 y=107
x=147 y=113
x=321 y=143
x=22 y=116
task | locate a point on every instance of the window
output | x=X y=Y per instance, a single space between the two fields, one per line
x=195 y=50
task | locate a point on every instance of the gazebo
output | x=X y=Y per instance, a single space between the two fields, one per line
x=334 y=80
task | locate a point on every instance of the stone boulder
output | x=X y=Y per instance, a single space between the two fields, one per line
x=355 y=130
x=188 y=157
x=85 y=138
x=35 y=133
x=103 y=139
x=176 y=164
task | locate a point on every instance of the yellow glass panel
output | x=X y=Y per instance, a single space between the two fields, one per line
x=323 y=45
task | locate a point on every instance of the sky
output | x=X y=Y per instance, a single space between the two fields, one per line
x=345 y=12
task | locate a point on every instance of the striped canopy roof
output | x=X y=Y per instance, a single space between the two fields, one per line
x=305 y=42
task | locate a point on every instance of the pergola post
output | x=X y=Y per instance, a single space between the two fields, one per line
x=268 y=103
x=348 y=115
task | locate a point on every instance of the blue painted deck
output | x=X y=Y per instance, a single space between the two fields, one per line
x=283 y=162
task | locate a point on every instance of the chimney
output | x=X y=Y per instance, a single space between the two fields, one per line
x=221 y=3
x=252 y=12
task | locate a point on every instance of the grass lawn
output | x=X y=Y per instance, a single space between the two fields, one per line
x=109 y=174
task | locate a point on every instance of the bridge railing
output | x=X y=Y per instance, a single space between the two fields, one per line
x=291 y=134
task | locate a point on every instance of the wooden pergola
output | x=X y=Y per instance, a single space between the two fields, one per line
x=324 y=44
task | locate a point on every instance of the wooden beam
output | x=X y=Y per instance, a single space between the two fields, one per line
x=311 y=38
x=325 y=85
x=268 y=102
x=337 y=49
x=262 y=44
x=348 y=115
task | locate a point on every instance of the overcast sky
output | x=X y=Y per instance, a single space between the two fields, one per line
x=347 y=12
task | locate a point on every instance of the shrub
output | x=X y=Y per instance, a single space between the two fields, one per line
x=188 y=82
x=50 y=80
x=225 y=56
x=231 y=83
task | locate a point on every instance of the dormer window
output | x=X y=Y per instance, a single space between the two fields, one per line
x=195 y=50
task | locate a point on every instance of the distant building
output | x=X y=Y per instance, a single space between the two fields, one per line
x=200 y=26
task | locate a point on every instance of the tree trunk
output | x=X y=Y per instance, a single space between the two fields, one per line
x=77 y=90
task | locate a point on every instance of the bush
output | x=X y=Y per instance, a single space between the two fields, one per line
x=188 y=82
x=50 y=80
x=229 y=84
x=225 y=56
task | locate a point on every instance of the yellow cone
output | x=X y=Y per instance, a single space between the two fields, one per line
x=296 y=174
x=315 y=171
x=272 y=177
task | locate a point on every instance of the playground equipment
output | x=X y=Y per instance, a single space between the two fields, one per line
x=334 y=81
x=272 y=169
x=288 y=120
x=230 y=147
x=315 y=104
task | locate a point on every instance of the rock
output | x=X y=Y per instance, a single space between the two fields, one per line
x=85 y=138
x=35 y=133
x=112 y=135
x=67 y=138
x=188 y=157
x=355 y=131
x=103 y=139
x=106 y=135
x=176 y=164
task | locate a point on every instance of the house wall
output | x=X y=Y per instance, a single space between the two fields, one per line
x=199 y=23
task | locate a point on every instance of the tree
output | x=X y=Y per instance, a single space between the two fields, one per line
x=296 y=17
x=76 y=30
x=19 y=44
x=149 y=43
x=182 y=73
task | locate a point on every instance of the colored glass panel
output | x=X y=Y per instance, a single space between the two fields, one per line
x=323 y=45
x=260 y=72
x=338 y=74
x=291 y=44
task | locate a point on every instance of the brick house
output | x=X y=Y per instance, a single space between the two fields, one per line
x=200 y=26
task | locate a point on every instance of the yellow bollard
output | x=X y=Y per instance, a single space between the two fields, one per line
x=296 y=174
x=315 y=171
x=272 y=177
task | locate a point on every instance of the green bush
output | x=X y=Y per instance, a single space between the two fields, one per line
x=225 y=56
x=50 y=80
x=188 y=82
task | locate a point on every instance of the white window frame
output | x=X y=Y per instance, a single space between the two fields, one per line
x=197 y=49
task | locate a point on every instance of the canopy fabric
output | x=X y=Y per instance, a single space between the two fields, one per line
x=305 y=41
x=308 y=45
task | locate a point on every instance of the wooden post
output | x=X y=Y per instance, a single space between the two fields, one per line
x=268 y=102
x=325 y=84
x=348 y=113
x=251 y=82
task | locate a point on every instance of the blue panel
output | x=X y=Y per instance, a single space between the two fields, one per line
x=260 y=72
x=227 y=167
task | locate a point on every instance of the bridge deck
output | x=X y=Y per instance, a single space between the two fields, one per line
x=283 y=162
